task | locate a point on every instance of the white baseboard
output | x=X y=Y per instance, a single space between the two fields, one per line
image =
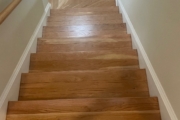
x=155 y=87
x=11 y=91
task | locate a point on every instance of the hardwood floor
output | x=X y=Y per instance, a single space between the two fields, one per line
x=84 y=69
x=65 y=4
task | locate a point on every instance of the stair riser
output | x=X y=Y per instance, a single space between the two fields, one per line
x=74 y=13
x=42 y=41
x=80 y=76
x=66 y=4
x=90 y=116
x=84 y=55
x=79 y=10
x=86 y=46
x=141 y=85
x=81 y=105
x=50 y=94
x=83 y=28
x=85 y=18
x=80 y=34
x=84 y=22
x=77 y=64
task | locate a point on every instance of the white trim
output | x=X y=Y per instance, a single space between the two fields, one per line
x=155 y=86
x=11 y=90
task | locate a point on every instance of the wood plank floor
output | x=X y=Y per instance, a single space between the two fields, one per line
x=84 y=69
x=65 y=4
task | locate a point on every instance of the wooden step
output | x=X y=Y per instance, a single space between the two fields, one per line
x=88 y=85
x=85 y=11
x=66 y=4
x=121 y=54
x=81 y=64
x=72 y=40
x=99 y=3
x=112 y=75
x=50 y=94
x=83 y=105
x=83 y=28
x=117 y=115
x=132 y=67
x=39 y=86
x=84 y=46
x=79 y=34
x=91 y=18
x=85 y=22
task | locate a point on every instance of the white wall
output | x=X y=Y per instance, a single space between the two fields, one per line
x=18 y=39
x=157 y=23
x=45 y=2
x=15 y=33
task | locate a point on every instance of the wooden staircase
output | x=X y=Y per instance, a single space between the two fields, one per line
x=84 y=69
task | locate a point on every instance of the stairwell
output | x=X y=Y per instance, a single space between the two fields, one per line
x=84 y=69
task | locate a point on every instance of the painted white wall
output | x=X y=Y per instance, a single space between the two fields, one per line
x=15 y=33
x=157 y=23
x=18 y=39
x=45 y=2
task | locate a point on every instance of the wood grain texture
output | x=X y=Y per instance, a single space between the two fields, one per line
x=85 y=39
x=49 y=94
x=84 y=69
x=137 y=115
x=65 y=4
x=83 y=105
x=82 y=28
x=113 y=75
x=132 y=67
x=85 y=11
x=88 y=64
x=84 y=46
x=79 y=34
x=86 y=22
x=120 y=54
x=84 y=18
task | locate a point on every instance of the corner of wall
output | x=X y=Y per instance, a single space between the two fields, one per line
x=155 y=87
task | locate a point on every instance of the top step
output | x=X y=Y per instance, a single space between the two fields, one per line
x=65 y=4
x=85 y=11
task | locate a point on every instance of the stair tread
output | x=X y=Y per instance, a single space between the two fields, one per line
x=132 y=67
x=93 y=75
x=83 y=105
x=120 y=85
x=49 y=94
x=85 y=39
x=84 y=22
x=107 y=8
x=115 y=115
x=62 y=18
x=82 y=28
x=80 y=64
x=84 y=11
x=118 y=54
x=84 y=46
x=79 y=34
x=82 y=4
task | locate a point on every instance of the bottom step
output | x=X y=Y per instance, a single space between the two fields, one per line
x=137 y=115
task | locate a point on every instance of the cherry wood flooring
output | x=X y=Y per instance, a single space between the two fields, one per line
x=84 y=69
